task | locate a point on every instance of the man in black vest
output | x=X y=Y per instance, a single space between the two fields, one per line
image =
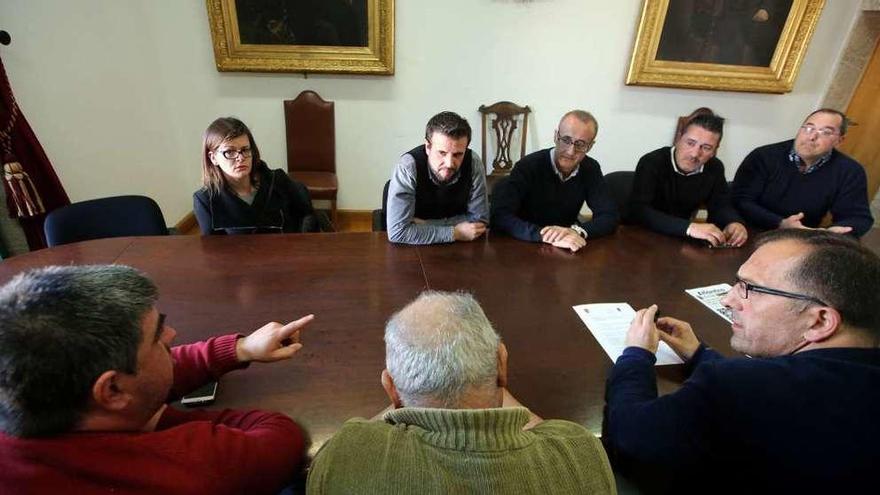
x=437 y=192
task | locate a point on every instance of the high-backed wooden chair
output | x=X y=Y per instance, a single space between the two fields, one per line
x=311 y=145
x=505 y=118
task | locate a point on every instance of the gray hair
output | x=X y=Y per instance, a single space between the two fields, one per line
x=61 y=327
x=439 y=347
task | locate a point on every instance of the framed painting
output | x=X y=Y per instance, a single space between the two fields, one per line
x=336 y=36
x=723 y=45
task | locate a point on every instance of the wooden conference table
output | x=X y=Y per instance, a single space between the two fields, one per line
x=354 y=282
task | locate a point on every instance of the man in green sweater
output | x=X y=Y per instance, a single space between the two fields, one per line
x=452 y=426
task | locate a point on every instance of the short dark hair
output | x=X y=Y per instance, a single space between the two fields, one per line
x=61 y=327
x=220 y=131
x=844 y=120
x=838 y=270
x=709 y=121
x=449 y=124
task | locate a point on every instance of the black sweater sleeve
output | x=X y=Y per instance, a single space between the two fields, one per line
x=605 y=214
x=749 y=183
x=720 y=205
x=507 y=200
x=647 y=179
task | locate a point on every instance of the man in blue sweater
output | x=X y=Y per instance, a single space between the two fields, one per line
x=800 y=415
x=541 y=199
x=795 y=183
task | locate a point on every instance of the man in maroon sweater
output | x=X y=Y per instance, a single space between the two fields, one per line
x=86 y=371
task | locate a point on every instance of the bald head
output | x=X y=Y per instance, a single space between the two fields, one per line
x=440 y=348
x=583 y=117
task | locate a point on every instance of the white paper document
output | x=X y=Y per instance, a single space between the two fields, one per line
x=608 y=322
x=711 y=296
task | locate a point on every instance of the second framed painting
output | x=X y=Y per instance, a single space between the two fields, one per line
x=725 y=45
x=341 y=36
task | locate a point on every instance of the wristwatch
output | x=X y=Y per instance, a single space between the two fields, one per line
x=581 y=232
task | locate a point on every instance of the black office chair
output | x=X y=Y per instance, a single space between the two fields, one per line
x=118 y=216
x=620 y=187
x=380 y=220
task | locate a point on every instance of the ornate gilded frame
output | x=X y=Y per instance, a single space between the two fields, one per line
x=233 y=56
x=777 y=77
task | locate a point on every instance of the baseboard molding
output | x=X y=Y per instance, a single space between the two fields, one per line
x=356 y=214
x=354 y=220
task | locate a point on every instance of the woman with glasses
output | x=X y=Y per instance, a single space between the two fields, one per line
x=240 y=194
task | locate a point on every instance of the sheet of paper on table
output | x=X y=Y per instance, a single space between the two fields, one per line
x=608 y=322
x=711 y=296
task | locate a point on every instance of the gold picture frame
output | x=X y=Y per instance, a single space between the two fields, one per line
x=755 y=52
x=267 y=42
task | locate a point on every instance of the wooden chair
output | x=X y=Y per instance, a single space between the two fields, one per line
x=684 y=119
x=311 y=145
x=505 y=117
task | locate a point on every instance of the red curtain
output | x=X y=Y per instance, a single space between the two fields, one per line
x=32 y=187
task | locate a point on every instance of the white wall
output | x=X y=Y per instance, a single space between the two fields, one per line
x=120 y=91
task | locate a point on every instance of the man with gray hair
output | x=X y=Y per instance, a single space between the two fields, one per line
x=453 y=427
x=546 y=190
x=86 y=372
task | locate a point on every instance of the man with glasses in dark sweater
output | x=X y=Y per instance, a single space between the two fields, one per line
x=796 y=183
x=799 y=416
x=541 y=199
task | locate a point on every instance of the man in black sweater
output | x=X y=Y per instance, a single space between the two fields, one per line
x=671 y=183
x=541 y=199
